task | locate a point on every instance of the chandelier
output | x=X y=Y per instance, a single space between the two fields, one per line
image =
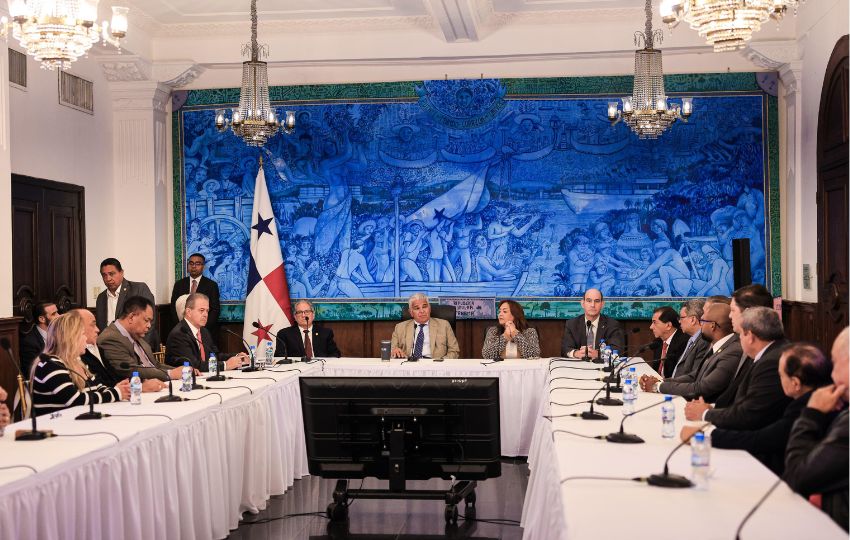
x=725 y=24
x=255 y=121
x=58 y=32
x=646 y=111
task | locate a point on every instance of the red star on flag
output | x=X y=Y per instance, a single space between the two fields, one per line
x=262 y=332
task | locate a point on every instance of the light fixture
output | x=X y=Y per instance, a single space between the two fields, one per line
x=647 y=111
x=255 y=121
x=58 y=32
x=725 y=24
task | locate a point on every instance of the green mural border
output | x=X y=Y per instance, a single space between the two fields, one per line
x=543 y=87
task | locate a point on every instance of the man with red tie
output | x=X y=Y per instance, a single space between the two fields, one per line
x=666 y=328
x=191 y=341
x=305 y=340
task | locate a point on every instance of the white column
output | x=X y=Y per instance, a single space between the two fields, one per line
x=6 y=293
x=792 y=214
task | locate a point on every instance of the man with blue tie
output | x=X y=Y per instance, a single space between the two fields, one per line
x=423 y=336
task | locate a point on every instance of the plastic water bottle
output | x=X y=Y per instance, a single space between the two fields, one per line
x=252 y=353
x=615 y=358
x=629 y=396
x=606 y=360
x=634 y=378
x=668 y=418
x=135 y=389
x=213 y=366
x=186 y=378
x=700 y=460
x=269 y=361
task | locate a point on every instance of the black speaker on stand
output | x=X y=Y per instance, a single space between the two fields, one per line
x=741 y=262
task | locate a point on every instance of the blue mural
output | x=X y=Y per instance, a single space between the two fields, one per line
x=467 y=192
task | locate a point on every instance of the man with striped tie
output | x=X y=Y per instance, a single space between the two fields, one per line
x=423 y=336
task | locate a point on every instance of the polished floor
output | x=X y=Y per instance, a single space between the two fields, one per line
x=496 y=499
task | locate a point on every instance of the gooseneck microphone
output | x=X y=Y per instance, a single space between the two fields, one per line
x=591 y=414
x=92 y=414
x=253 y=365
x=665 y=479
x=286 y=358
x=629 y=438
x=164 y=399
x=7 y=346
x=756 y=507
x=586 y=356
x=34 y=434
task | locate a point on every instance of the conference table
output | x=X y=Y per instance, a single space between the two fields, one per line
x=575 y=491
x=190 y=469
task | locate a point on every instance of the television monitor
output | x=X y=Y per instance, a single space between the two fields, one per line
x=357 y=427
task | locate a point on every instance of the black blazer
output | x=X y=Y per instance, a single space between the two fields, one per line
x=768 y=443
x=32 y=345
x=207 y=287
x=181 y=345
x=575 y=334
x=102 y=371
x=759 y=399
x=290 y=342
x=692 y=360
x=674 y=352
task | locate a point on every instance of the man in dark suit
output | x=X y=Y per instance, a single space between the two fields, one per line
x=759 y=399
x=714 y=374
x=744 y=298
x=196 y=282
x=32 y=343
x=697 y=349
x=190 y=340
x=672 y=341
x=304 y=339
x=110 y=303
x=593 y=324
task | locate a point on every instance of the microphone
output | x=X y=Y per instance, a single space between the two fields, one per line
x=756 y=507
x=608 y=400
x=34 y=434
x=253 y=366
x=164 y=399
x=617 y=376
x=591 y=414
x=629 y=438
x=7 y=346
x=665 y=479
x=286 y=358
x=92 y=414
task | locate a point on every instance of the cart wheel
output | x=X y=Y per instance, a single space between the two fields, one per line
x=451 y=514
x=337 y=512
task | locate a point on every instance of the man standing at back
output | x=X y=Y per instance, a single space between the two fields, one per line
x=423 y=336
x=590 y=328
x=110 y=303
x=304 y=339
x=197 y=282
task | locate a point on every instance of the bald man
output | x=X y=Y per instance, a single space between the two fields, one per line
x=592 y=323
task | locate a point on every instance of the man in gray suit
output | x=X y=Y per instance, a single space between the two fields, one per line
x=697 y=348
x=110 y=303
x=424 y=336
x=713 y=376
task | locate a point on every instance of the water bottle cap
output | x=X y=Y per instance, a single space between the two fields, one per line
x=668 y=398
x=616 y=351
x=135 y=374
x=185 y=364
x=631 y=369
x=699 y=437
x=212 y=355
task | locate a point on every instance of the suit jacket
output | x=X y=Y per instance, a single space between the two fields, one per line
x=527 y=343
x=713 y=376
x=768 y=443
x=102 y=371
x=205 y=286
x=575 y=334
x=759 y=400
x=182 y=345
x=32 y=345
x=674 y=352
x=692 y=360
x=745 y=363
x=128 y=289
x=443 y=340
x=291 y=343
x=115 y=349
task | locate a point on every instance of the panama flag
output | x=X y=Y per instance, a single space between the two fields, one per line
x=267 y=298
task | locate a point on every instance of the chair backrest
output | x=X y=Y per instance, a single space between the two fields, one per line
x=160 y=355
x=440 y=311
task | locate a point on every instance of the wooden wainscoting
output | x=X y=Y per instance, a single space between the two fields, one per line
x=800 y=322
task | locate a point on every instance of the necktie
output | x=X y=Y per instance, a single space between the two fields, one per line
x=308 y=345
x=687 y=348
x=420 y=341
x=663 y=357
x=201 y=347
x=143 y=356
x=194 y=287
x=590 y=341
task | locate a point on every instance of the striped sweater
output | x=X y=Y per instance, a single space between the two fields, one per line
x=54 y=390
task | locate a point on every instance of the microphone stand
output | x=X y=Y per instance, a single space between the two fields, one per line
x=7 y=346
x=34 y=434
x=91 y=414
x=591 y=414
x=170 y=398
x=286 y=359
x=253 y=365
x=608 y=400
x=629 y=438
x=665 y=479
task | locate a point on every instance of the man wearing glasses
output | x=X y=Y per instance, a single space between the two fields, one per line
x=590 y=328
x=696 y=349
x=306 y=340
x=196 y=282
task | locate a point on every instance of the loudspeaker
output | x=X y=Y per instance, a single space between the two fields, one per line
x=741 y=262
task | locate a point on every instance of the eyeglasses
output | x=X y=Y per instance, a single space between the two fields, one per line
x=304 y=312
x=707 y=321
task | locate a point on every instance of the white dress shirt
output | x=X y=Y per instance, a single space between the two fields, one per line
x=111 y=304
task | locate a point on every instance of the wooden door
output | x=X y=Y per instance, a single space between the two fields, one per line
x=48 y=240
x=832 y=198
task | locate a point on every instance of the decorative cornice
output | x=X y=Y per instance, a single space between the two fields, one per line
x=143 y=96
x=178 y=73
x=790 y=74
x=501 y=19
x=124 y=68
x=771 y=54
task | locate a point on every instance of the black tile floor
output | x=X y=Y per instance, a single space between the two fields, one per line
x=497 y=498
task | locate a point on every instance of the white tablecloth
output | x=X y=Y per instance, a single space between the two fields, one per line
x=188 y=477
x=585 y=509
x=521 y=387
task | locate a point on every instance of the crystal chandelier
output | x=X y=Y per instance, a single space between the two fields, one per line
x=646 y=111
x=254 y=120
x=725 y=24
x=57 y=32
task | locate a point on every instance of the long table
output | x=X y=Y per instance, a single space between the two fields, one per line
x=559 y=506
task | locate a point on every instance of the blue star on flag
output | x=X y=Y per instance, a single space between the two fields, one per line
x=262 y=226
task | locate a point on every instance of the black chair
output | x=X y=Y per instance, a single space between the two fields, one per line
x=440 y=311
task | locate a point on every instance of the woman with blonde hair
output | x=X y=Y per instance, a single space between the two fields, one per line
x=59 y=376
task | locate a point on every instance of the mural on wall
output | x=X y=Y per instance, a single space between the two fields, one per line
x=468 y=193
